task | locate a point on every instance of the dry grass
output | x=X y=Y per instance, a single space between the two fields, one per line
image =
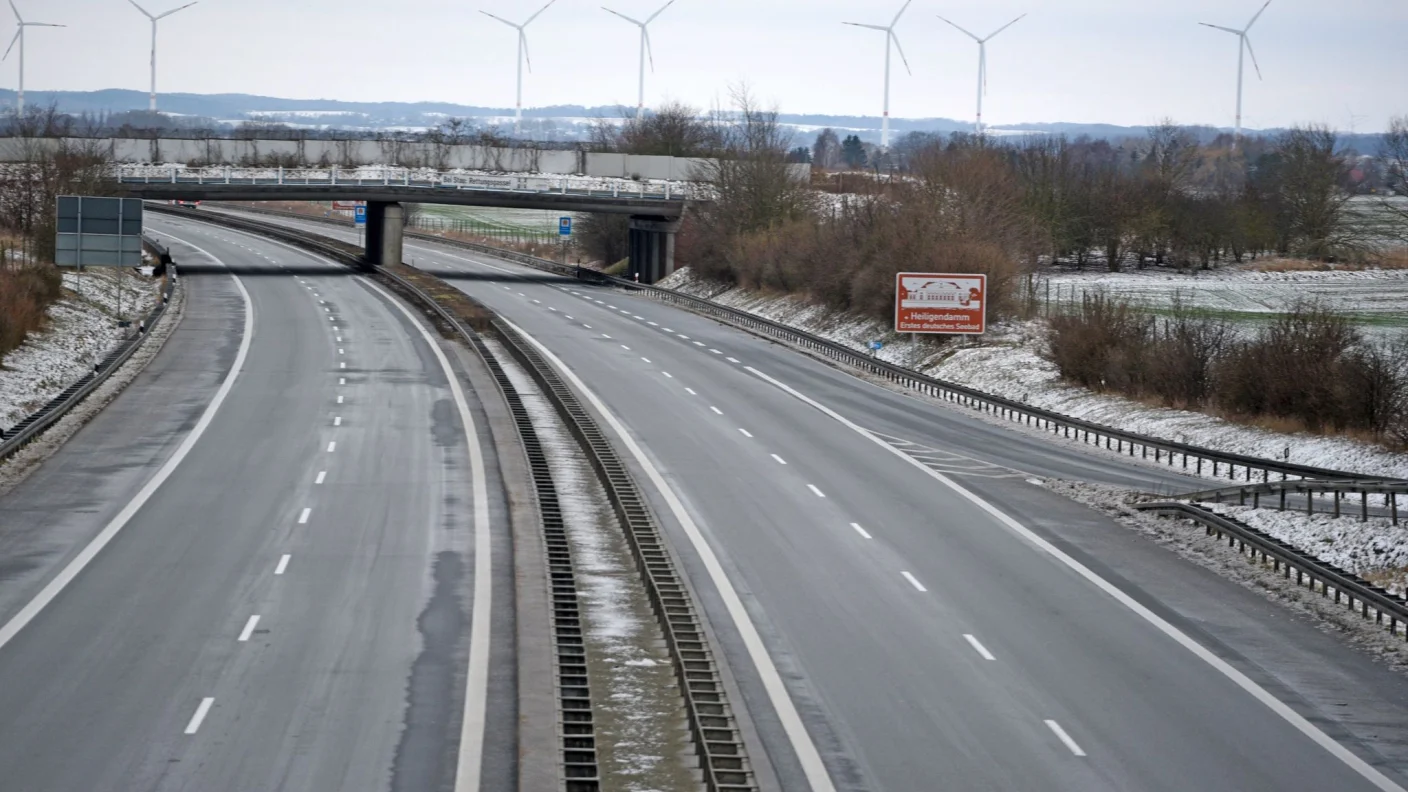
x=1391 y=260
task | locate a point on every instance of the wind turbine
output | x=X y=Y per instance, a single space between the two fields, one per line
x=522 y=56
x=889 y=38
x=1244 y=46
x=644 y=48
x=154 y=20
x=983 y=63
x=19 y=38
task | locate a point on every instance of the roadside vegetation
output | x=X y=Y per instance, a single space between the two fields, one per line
x=1308 y=370
x=44 y=165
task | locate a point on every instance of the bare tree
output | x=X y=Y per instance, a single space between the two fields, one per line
x=826 y=152
x=1394 y=151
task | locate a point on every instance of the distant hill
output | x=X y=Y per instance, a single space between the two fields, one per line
x=560 y=122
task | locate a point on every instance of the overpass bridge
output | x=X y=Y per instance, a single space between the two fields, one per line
x=655 y=209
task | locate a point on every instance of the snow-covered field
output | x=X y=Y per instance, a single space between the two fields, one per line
x=1009 y=362
x=82 y=329
x=1376 y=298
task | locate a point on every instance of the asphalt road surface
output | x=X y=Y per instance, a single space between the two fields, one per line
x=291 y=607
x=1002 y=639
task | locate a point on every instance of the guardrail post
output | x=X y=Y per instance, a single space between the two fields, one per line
x=281 y=174
x=1283 y=499
x=173 y=175
x=1337 y=509
x=1393 y=506
x=227 y=174
x=1363 y=506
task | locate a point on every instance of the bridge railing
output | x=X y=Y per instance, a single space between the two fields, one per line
x=379 y=176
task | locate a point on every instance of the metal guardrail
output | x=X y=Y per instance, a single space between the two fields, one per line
x=1188 y=457
x=718 y=741
x=378 y=176
x=1338 y=489
x=29 y=428
x=1372 y=601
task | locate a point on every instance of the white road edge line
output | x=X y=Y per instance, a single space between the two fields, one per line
x=861 y=531
x=1066 y=738
x=807 y=754
x=471 y=757
x=199 y=718
x=978 y=647
x=85 y=557
x=249 y=628
x=1358 y=765
x=283 y=564
x=913 y=581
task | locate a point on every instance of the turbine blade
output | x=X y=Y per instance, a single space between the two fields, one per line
x=966 y=33
x=896 y=39
x=17 y=12
x=1252 y=52
x=523 y=38
x=540 y=11
x=144 y=11
x=901 y=13
x=872 y=27
x=658 y=13
x=174 y=10
x=501 y=19
x=1255 y=18
x=42 y=24
x=623 y=16
x=1004 y=27
x=1223 y=29
x=648 y=49
x=13 y=41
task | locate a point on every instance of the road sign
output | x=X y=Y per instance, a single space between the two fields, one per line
x=941 y=304
x=98 y=232
x=564 y=226
x=347 y=206
x=876 y=346
x=360 y=213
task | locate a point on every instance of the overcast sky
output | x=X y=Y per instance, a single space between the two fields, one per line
x=1114 y=61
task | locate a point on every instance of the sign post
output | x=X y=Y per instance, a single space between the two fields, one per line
x=940 y=304
x=359 y=216
x=564 y=233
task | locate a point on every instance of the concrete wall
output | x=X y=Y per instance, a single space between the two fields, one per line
x=351 y=153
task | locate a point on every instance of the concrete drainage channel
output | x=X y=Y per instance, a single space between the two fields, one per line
x=721 y=762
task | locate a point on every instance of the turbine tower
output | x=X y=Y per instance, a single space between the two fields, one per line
x=890 y=38
x=645 y=49
x=154 y=20
x=19 y=39
x=522 y=57
x=1244 y=48
x=983 y=63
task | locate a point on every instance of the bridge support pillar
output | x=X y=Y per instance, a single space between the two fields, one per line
x=385 y=230
x=652 y=248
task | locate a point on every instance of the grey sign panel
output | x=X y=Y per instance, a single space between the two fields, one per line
x=99 y=232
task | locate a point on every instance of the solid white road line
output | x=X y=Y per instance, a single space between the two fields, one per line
x=332 y=446
x=303 y=518
x=745 y=432
x=85 y=557
x=978 y=647
x=716 y=409
x=471 y=756
x=1065 y=738
x=283 y=564
x=248 y=628
x=816 y=491
x=322 y=476
x=199 y=717
x=861 y=531
x=913 y=581
x=1358 y=765
x=807 y=754
x=779 y=459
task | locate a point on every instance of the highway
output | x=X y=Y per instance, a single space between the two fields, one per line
x=258 y=568
x=931 y=638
